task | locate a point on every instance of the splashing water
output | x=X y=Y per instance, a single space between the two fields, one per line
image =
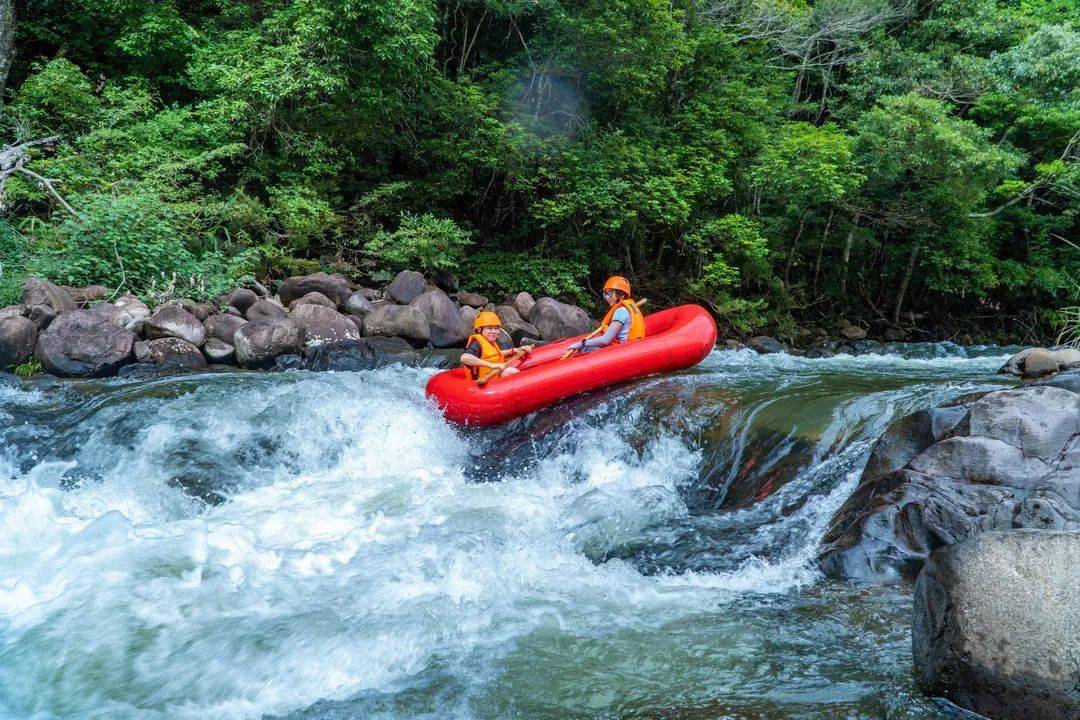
x=327 y=546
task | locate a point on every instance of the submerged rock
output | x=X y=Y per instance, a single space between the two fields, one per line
x=79 y=344
x=997 y=625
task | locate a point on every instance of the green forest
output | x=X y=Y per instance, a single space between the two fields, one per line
x=909 y=164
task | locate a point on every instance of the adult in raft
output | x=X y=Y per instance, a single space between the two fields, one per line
x=483 y=356
x=623 y=322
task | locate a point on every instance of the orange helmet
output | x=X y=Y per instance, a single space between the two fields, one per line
x=618 y=282
x=486 y=319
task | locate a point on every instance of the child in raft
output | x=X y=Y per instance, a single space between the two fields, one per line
x=623 y=322
x=483 y=356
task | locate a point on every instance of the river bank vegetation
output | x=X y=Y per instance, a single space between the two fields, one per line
x=909 y=165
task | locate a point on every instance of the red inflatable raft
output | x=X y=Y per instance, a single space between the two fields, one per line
x=674 y=339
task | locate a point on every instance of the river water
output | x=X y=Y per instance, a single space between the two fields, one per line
x=325 y=545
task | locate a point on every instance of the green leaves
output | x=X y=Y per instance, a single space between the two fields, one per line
x=423 y=241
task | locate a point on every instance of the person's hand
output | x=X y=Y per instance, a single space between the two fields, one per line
x=578 y=345
x=498 y=366
x=527 y=348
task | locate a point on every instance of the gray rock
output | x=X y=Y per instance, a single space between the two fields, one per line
x=766 y=345
x=169 y=352
x=523 y=302
x=406 y=287
x=18 y=336
x=78 y=344
x=473 y=300
x=1039 y=363
x=1068 y=380
x=240 y=298
x=313 y=298
x=851 y=332
x=358 y=304
x=112 y=313
x=223 y=327
x=219 y=352
x=230 y=310
x=980 y=460
x=1037 y=421
x=200 y=311
x=133 y=306
x=555 y=320
x=36 y=291
x=446 y=281
x=446 y=328
x=893 y=334
x=265 y=309
x=260 y=341
x=997 y=622
x=363 y=354
x=14 y=311
x=468 y=315
x=41 y=315
x=84 y=296
x=906 y=438
x=172 y=320
x=514 y=325
x=402 y=321
x=334 y=287
x=322 y=324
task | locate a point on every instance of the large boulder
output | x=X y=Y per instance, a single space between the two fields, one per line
x=514 y=325
x=240 y=298
x=406 y=287
x=200 y=311
x=1006 y=459
x=121 y=315
x=41 y=315
x=265 y=309
x=555 y=320
x=334 y=287
x=358 y=304
x=172 y=320
x=170 y=353
x=473 y=300
x=322 y=324
x=468 y=315
x=223 y=327
x=218 y=351
x=766 y=345
x=84 y=296
x=19 y=310
x=79 y=344
x=314 y=298
x=446 y=327
x=1039 y=362
x=997 y=625
x=260 y=341
x=18 y=336
x=133 y=306
x=403 y=321
x=523 y=302
x=36 y=291
x=364 y=354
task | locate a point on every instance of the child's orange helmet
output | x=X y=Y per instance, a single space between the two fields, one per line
x=486 y=319
x=618 y=282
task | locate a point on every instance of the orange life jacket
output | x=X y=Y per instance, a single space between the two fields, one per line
x=489 y=352
x=637 y=320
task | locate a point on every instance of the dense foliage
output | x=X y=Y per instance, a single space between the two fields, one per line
x=903 y=162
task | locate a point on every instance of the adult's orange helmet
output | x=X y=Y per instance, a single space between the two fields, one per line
x=618 y=282
x=486 y=319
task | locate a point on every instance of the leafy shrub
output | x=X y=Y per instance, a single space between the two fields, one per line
x=729 y=249
x=420 y=241
x=497 y=272
x=12 y=264
x=57 y=96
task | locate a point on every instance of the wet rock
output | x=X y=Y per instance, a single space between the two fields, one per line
x=240 y=298
x=36 y=291
x=523 y=302
x=223 y=327
x=766 y=345
x=260 y=341
x=473 y=300
x=313 y=298
x=18 y=336
x=730 y=344
x=851 y=332
x=363 y=354
x=322 y=324
x=995 y=625
x=446 y=327
x=79 y=344
x=514 y=325
x=169 y=352
x=84 y=296
x=172 y=320
x=265 y=309
x=14 y=311
x=358 y=304
x=219 y=352
x=334 y=287
x=406 y=287
x=292 y=361
x=1004 y=459
x=402 y=321
x=133 y=306
x=1039 y=362
x=1069 y=380
x=895 y=334
x=41 y=315
x=555 y=320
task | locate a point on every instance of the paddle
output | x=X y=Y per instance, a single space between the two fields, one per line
x=518 y=354
x=596 y=332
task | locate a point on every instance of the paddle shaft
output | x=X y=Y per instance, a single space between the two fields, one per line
x=518 y=354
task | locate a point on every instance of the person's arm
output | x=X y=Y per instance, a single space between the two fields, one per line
x=470 y=360
x=602 y=341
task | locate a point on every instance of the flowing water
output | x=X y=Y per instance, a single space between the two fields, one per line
x=325 y=545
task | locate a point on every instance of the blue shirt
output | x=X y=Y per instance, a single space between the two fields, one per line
x=622 y=315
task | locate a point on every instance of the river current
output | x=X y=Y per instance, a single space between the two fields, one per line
x=325 y=545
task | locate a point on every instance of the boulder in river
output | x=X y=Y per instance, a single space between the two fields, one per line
x=240 y=298
x=406 y=287
x=1008 y=459
x=358 y=305
x=133 y=306
x=172 y=320
x=851 y=332
x=997 y=625
x=169 y=353
x=334 y=287
x=523 y=302
x=223 y=327
x=260 y=341
x=555 y=320
x=218 y=351
x=352 y=355
x=1039 y=362
x=446 y=328
x=36 y=291
x=313 y=298
x=766 y=345
x=265 y=309
x=403 y=321
x=514 y=325
x=79 y=344
x=18 y=336
x=322 y=324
